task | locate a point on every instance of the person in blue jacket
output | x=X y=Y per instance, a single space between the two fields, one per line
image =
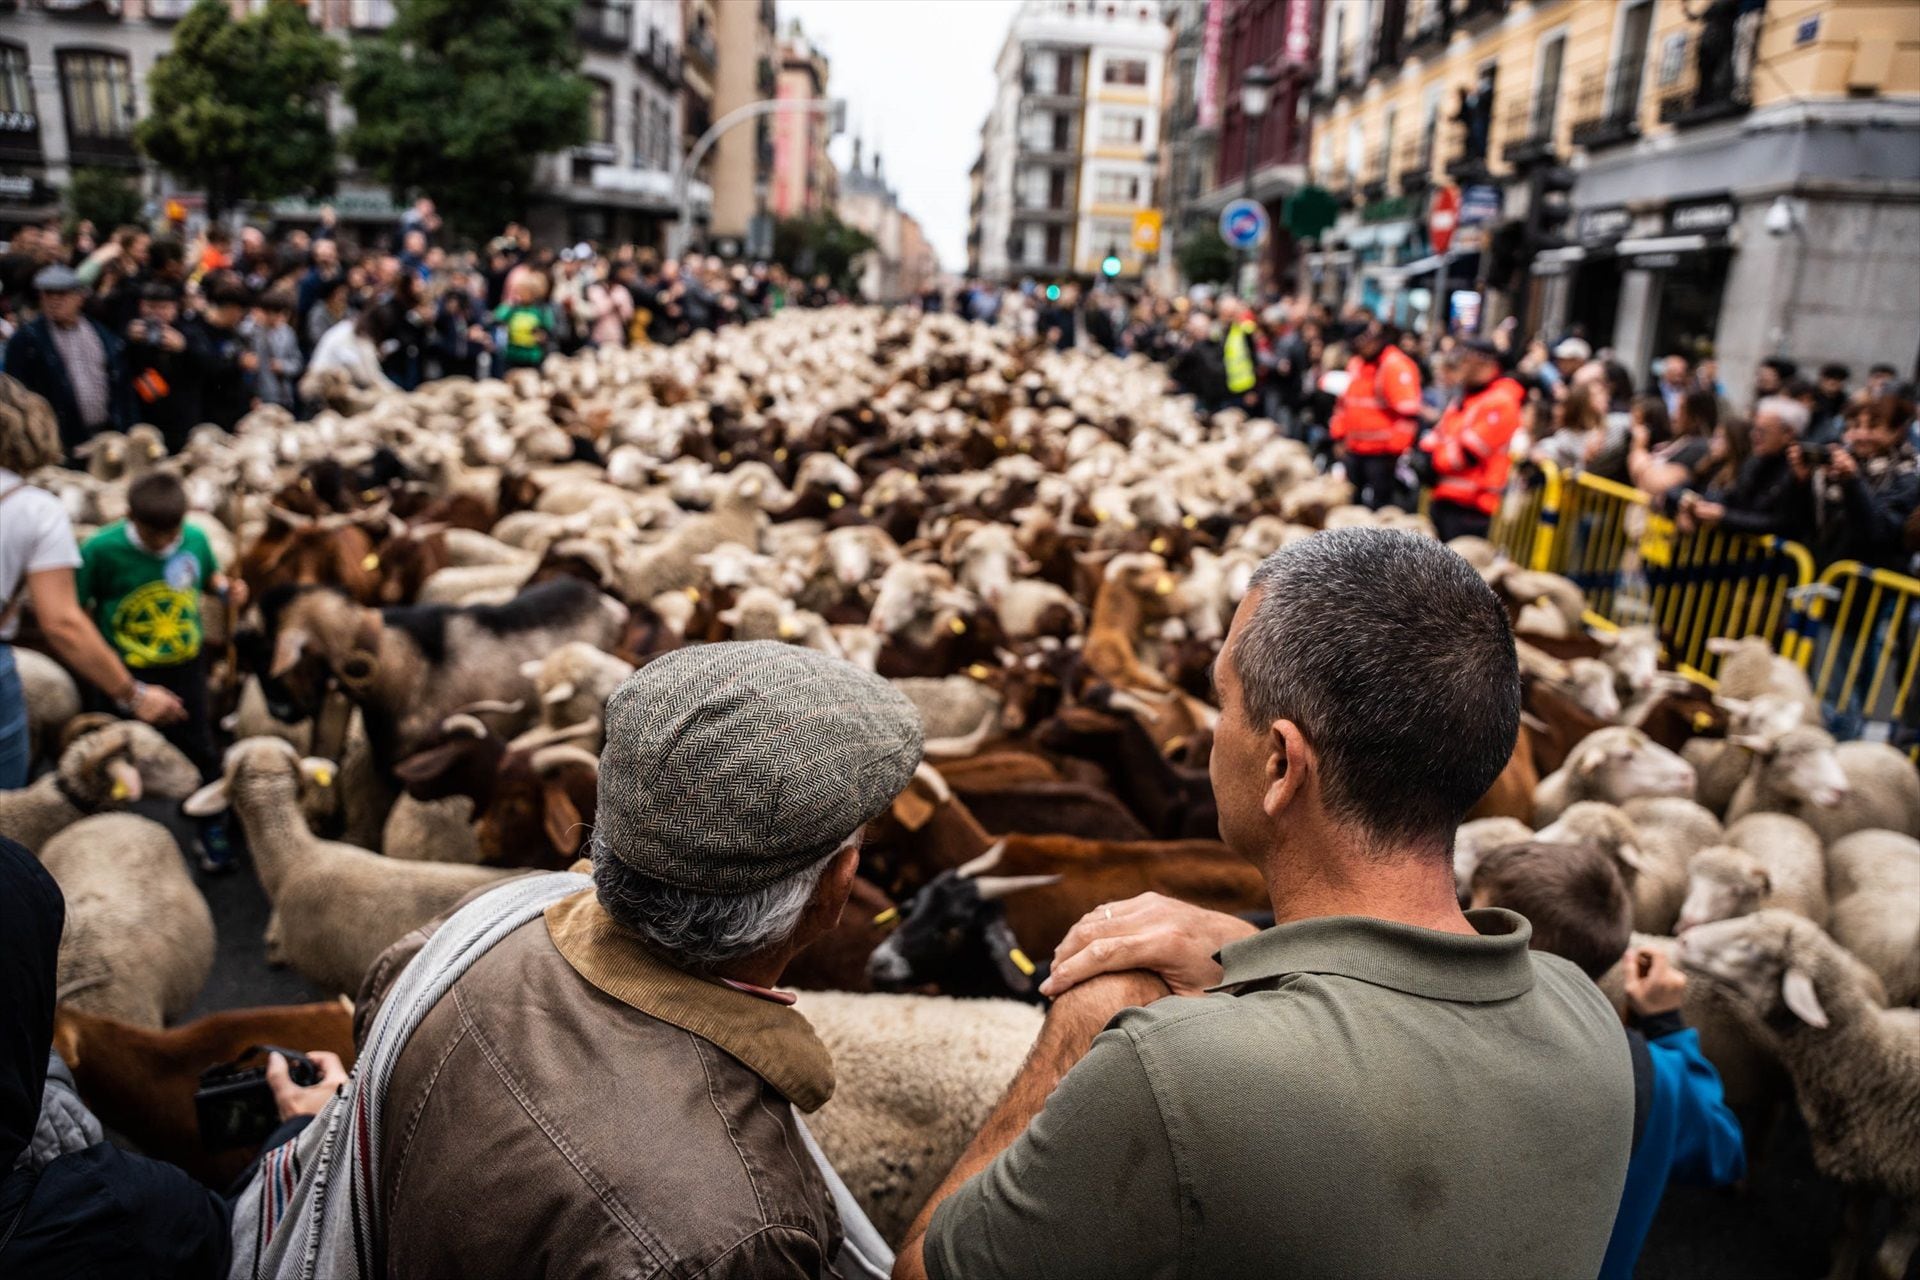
x=1683 y=1130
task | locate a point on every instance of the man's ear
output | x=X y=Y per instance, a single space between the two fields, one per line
x=1289 y=761
x=830 y=898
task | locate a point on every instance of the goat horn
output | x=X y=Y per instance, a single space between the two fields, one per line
x=541 y=735
x=461 y=722
x=930 y=777
x=292 y=519
x=552 y=757
x=985 y=862
x=992 y=888
x=494 y=706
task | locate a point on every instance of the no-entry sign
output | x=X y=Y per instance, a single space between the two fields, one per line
x=1442 y=218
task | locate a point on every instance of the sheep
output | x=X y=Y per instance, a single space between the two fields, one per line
x=642 y=573
x=109 y=767
x=138 y=943
x=1855 y=1066
x=1750 y=668
x=761 y=614
x=1873 y=886
x=1835 y=789
x=958 y=713
x=1612 y=765
x=1753 y=725
x=1651 y=840
x=52 y=697
x=574 y=682
x=1768 y=860
x=1474 y=840
x=915 y=1079
x=431 y=831
x=335 y=907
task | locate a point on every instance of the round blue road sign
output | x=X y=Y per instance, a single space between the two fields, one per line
x=1243 y=223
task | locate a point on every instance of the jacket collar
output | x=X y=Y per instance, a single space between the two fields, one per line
x=1491 y=966
x=774 y=1041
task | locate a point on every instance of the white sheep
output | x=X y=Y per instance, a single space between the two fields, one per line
x=1750 y=668
x=1474 y=840
x=574 y=682
x=1754 y=725
x=1768 y=860
x=110 y=767
x=1873 y=889
x=957 y=713
x=915 y=1079
x=1614 y=765
x=761 y=614
x=1834 y=788
x=52 y=697
x=431 y=831
x=1855 y=1066
x=336 y=907
x=1651 y=840
x=138 y=943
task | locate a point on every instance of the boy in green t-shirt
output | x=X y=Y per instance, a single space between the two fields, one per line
x=528 y=321
x=142 y=579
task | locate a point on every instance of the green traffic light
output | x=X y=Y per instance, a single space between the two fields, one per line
x=1110 y=267
x=1053 y=293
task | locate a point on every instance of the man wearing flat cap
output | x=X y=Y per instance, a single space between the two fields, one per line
x=75 y=363
x=610 y=1089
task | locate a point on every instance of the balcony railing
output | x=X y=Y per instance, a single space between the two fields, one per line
x=700 y=44
x=604 y=26
x=1687 y=100
x=1529 y=129
x=1373 y=183
x=1416 y=166
x=1429 y=28
x=1607 y=110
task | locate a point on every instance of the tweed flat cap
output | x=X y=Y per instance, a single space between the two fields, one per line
x=56 y=279
x=730 y=766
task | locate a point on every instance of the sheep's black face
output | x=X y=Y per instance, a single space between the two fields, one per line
x=934 y=929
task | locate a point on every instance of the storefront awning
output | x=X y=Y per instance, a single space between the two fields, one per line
x=1653 y=246
x=1554 y=262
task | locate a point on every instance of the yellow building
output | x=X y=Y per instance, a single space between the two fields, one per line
x=1744 y=181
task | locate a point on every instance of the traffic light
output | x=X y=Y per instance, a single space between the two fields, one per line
x=1053 y=293
x=1110 y=265
x=1550 y=208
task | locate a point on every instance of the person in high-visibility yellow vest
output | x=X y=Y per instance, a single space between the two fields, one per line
x=1241 y=373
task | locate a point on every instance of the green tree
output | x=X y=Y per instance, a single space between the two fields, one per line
x=104 y=197
x=456 y=100
x=240 y=108
x=1204 y=257
x=808 y=247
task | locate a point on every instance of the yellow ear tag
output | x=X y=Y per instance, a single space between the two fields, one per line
x=1100 y=515
x=1189 y=522
x=787 y=629
x=1164 y=586
x=956 y=626
x=835 y=501
x=888 y=916
x=120 y=790
x=779 y=455
x=1021 y=962
x=999 y=442
x=726 y=459
x=978 y=671
x=1158 y=546
x=371 y=561
x=323 y=777
x=693 y=593
x=369 y=495
x=1702 y=721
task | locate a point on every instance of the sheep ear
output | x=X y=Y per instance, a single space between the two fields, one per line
x=287 y=649
x=559 y=693
x=531 y=668
x=207 y=801
x=563 y=824
x=1631 y=855
x=1724 y=645
x=1763 y=880
x=127 y=783
x=1796 y=988
x=1732 y=706
x=1588 y=762
x=319 y=772
x=66 y=1040
x=1013 y=965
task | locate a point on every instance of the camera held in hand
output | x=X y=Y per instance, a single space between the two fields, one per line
x=234 y=1102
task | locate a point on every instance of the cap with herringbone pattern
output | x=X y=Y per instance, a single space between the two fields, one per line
x=728 y=767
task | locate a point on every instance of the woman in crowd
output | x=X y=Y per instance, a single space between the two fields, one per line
x=1657 y=466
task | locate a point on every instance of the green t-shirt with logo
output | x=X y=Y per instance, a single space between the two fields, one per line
x=528 y=331
x=147 y=603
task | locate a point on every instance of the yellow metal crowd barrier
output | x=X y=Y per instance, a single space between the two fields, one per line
x=1856 y=630
x=1857 y=643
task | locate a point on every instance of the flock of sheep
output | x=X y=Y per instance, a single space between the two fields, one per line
x=1044 y=550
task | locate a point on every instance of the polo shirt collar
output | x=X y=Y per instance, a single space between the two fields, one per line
x=774 y=1041
x=1489 y=966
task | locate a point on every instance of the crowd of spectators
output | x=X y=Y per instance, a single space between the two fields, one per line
x=178 y=331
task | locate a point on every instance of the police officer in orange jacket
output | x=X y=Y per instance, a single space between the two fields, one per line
x=1469 y=446
x=1378 y=414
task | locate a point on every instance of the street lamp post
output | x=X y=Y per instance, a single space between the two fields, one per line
x=834 y=109
x=1256 y=95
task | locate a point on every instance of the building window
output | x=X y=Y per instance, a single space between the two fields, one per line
x=1629 y=64
x=16 y=94
x=1130 y=71
x=642 y=141
x=1122 y=129
x=663 y=144
x=1117 y=188
x=600 y=113
x=1546 y=89
x=370 y=15
x=1356 y=147
x=98 y=90
x=1110 y=235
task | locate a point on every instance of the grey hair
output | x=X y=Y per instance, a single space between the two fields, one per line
x=1397 y=663
x=702 y=931
x=1792 y=414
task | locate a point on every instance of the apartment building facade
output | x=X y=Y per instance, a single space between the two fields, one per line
x=1741 y=180
x=804 y=181
x=1068 y=150
x=743 y=156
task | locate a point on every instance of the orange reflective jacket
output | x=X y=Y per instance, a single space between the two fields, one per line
x=1469 y=446
x=1381 y=407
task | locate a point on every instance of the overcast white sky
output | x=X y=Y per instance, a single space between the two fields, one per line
x=918 y=79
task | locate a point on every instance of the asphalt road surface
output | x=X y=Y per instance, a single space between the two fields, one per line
x=1775 y=1228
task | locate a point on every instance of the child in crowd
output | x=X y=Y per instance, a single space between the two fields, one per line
x=270 y=332
x=527 y=320
x=1580 y=911
x=142 y=579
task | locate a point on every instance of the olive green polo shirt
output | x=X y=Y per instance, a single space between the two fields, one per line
x=1357 y=1099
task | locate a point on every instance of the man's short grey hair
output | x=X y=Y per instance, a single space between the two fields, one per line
x=702 y=931
x=1792 y=414
x=1397 y=663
